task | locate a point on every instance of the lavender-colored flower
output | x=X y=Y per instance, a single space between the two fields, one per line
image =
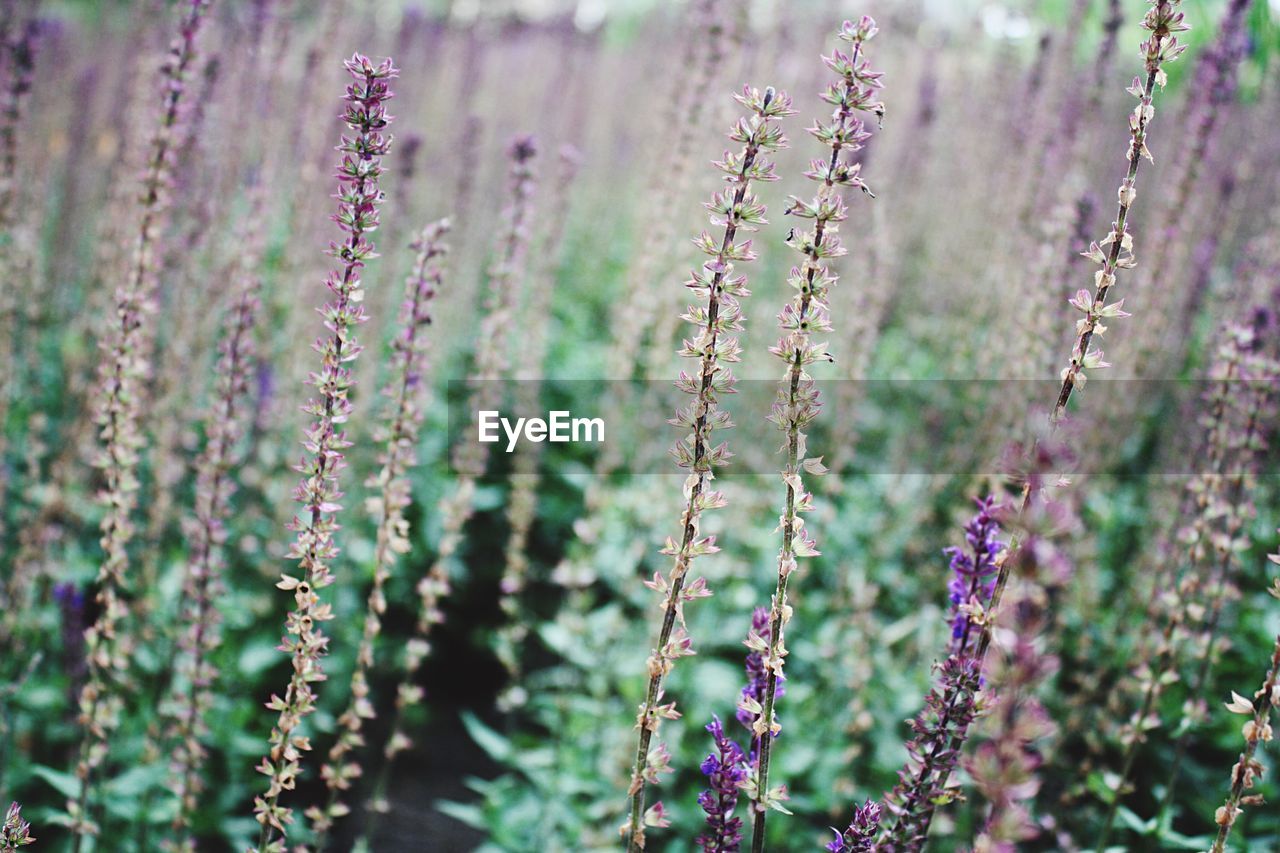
x=860 y=835
x=974 y=568
x=757 y=678
x=952 y=704
x=726 y=769
x=14 y=832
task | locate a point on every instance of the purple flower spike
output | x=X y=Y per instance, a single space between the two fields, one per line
x=726 y=768
x=974 y=567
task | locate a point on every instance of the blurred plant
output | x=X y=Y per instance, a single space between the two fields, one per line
x=358 y=199
x=15 y=832
x=470 y=458
x=799 y=401
x=715 y=349
x=399 y=437
x=1256 y=730
x=192 y=694
x=1005 y=767
x=1213 y=89
x=124 y=369
x=522 y=502
x=1230 y=508
x=1216 y=504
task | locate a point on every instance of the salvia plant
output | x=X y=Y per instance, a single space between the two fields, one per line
x=799 y=400
x=359 y=196
x=1115 y=252
x=124 y=369
x=1053 y=655
x=1256 y=730
x=955 y=701
x=399 y=437
x=522 y=502
x=1211 y=539
x=470 y=458
x=203 y=583
x=713 y=347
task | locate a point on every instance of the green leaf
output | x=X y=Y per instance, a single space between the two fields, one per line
x=495 y=745
x=65 y=784
x=467 y=813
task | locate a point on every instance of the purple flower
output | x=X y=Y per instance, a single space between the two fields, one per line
x=974 y=567
x=757 y=675
x=726 y=768
x=860 y=836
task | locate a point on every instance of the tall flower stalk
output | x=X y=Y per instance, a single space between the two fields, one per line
x=1256 y=730
x=1231 y=511
x=359 y=196
x=1163 y=21
x=808 y=312
x=124 y=370
x=1208 y=493
x=714 y=348
x=954 y=702
x=399 y=438
x=492 y=363
x=522 y=503
x=206 y=531
x=1004 y=768
x=410 y=352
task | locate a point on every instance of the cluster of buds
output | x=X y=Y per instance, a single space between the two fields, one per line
x=1115 y=251
x=206 y=531
x=124 y=369
x=860 y=835
x=358 y=196
x=712 y=347
x=974 y=570
x=954 y=701
x=14 y=832
x=399 y=437
x=807 y=313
